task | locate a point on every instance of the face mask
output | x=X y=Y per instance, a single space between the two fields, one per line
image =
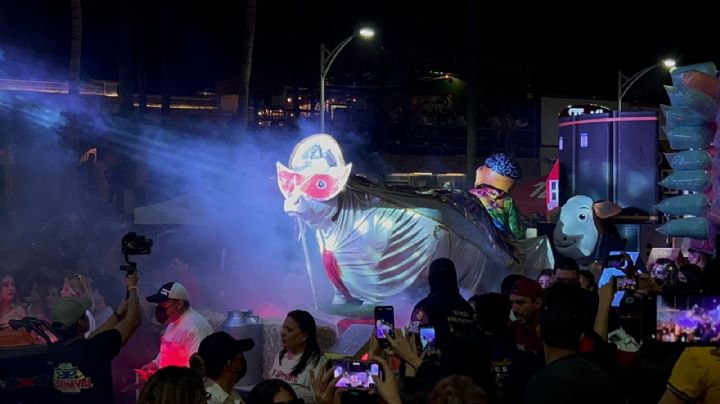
x=161 y=314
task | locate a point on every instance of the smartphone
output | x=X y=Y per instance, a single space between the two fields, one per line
x=384 y=323
x=354 y=374
x=427 y=338
x=690 y=319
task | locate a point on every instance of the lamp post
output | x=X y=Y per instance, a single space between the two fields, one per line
x=625 y=82
x=327 y=57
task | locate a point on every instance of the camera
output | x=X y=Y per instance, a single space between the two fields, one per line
x=135 y=244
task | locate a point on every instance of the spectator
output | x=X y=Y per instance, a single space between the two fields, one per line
x=457 y=389
x=695 y=377
x=273 y=391
x=567 y=378
x=10 y=308
x=567 y=271
x=587 y=281
x=508 y=282
x=511 y=367
x=34 y=298
x=185 y=327
x=699 y=258
x=78 y=287
x=220 y=357
x=174 y=385
x=180 y=268
x=688 y=279
x=545 y=279
x=458 y=336
x=527 y=299
x=81 y=366
x=300 y=354
x=53 y=294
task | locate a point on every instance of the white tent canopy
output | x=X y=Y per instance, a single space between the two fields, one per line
x=182 y=210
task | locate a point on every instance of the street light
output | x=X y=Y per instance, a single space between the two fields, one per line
x=327 y=57
x=625 y=82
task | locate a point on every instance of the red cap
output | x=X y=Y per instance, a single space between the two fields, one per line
x=527 y=288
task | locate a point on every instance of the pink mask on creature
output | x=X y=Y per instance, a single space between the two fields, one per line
x=317 y=170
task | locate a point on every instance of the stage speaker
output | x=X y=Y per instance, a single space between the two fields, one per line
x=610 y=156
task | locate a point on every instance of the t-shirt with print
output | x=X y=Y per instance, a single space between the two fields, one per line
x=301 y=382
x=81 y=369
x=696 y=375
x=182 y=338
x=220 y=396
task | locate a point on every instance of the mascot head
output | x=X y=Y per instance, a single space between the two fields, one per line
x=317 y=173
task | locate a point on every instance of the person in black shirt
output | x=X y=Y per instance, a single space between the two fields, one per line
x=567 y=378
x=458 y=336
x=511 y=367
x=81 y=371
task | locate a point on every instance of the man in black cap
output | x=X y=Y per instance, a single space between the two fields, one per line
x=185 y=327
x=221 y=357
x=82 y=370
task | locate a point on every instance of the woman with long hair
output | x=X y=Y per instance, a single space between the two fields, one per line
x=174 y=385
x=10 y=308
x=80 y=287
x=273 y=391
x=300 y=354
x=545 y=279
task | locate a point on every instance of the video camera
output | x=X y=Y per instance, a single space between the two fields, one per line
x=134 y=244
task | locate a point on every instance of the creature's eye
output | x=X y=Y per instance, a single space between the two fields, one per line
x=321 y=184
x=582 y=217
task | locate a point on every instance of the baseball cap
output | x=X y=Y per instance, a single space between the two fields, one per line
x=170 y=290
x=219 y=347
x=527 y=288
x=68 y=311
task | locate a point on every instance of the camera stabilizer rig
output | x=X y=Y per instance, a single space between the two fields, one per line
x=134 y=244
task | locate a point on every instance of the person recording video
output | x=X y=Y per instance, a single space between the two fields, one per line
x=82 y=366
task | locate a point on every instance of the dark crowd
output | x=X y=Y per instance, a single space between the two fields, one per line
x=555 y=338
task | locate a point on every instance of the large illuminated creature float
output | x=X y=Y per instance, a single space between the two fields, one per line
x=377 y=242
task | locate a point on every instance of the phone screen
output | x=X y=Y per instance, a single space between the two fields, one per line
x=384 y=321
x=687 y=319
x=355 y=374
x=427 y=338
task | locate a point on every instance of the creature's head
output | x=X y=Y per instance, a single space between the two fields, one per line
x=317 y=174
x=579 y=228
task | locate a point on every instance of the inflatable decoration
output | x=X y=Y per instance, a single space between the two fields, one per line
x=691 y=129
x=376 y=242
x=583 y=231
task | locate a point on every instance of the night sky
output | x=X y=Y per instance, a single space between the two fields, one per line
x=574 y=52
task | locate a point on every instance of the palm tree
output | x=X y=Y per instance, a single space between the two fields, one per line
x=75 y=44
x=246 y=66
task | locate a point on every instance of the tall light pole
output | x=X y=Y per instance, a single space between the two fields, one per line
x=327 y=57
x=625 y=82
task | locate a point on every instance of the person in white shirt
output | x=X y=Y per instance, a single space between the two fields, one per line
x=185 y=327
x=220 y=358
x=300 y=354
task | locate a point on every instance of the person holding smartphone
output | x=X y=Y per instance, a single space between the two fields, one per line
x=457 y=334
